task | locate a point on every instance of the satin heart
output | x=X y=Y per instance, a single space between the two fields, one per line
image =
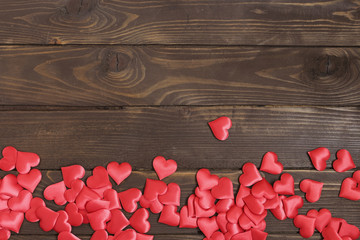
x=56 y=192
x=233 y=214
x=323 y=218
x=245 y=222
x=67 y=236
x=349 y=189
x=99 y=219
x=128 y=234
x=72 y=173
x=292 y=205
x=222 y=222
x=26 y=160
x=253 y=204
x=258 y=235
x=205 y=180
x=119 y=172
x=279 y=211
x=347 y=229
x=117 y=222
x=21 y=203
x=139 y=220
x=185 y=220
x=312 y=189
x=233 y=228
x=11 y=220
x=207 y=226
x=305 y=224
x=172 y=195
x=85 y=195
x=112 y=196
x=8 y=162
x=154 y=188
x=206 y=199
x=272 y=203
x=243 y=192
x=129 y=199
x=163 y=167
x=169 y=216
x=9 y=186
x=99 y=235
x=243 y=236
x=319 y=157
x=96 y=204
x=100 y=178
x=76 y=187
x=220 y=127
x=223 y=205
x=30 y=180
x=200 y=212
x=285 y=185
x=250 y=175
x=344 y=161
x=140 y=236
x=263 y=189
x=224 y=189
x=62 y=224
x=74 y=217
x=35 y=203
x=47 y=218
x=255 y=218
x=270 y=163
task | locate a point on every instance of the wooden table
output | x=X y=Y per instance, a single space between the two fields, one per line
x=93 y=81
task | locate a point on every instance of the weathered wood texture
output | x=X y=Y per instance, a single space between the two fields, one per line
x=221 y=22
x=154 y=75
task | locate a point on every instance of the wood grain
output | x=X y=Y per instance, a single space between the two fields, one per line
x=231 y=22
x=118 y=76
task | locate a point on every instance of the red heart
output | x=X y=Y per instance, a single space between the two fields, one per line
x=99 y=235
x=270 y=164
x=74 y=217
x=85 y=195
x=206 y=200
x=258 y=235
x=128 y=234
x=11 y=220
x=99 y=179
x=170 y=216
x=30 y=180
x=21 y=203
x=200 y=212
x=349 y=230
x=205 y=180
x=319 y=157
x=233 y=214
x=139 y=220
x=349 y=189
x=243 y=236
x=279 y=211
x=250 y=175
x=140 y=236
x=243 y=192
x=26 y=160
x=96 y=204
x=263 y=189
x=272 y=203
x=67 y=236
x=172 y=195
x=47 y=218
x=245 y=222
x=185 y=220
x=207 y=226
x=76 y=187
x=7 y=163
x=222 y=222
x=119 y=172
x=154 y=188
x=233 y=228
x=291 y=205
x=118 y=222
x=5 y=234
x=35 y=203
x=312 y=189
x=99 y=219
x=56 y=192
x=255 y=218
x=224 y=190
x=285 y=185
x=253 y=204
x=9 y=186
x=62 y=224
x=220 y=127
x=112 y=196
x=323 y=218
x=71 y=173
x=223 y=205
x=129 y=199
x=305 y=224
x=163 y=167
x=344 y=161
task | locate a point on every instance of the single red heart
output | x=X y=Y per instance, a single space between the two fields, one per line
x=139 y=220
x=258 y=235
x=243 y=192
x=233 y=214
x=285 y=185
x=47 y=218
x=350 y=230
x=323 y=218
x=312 y=189
x=85 y=195
x=30 y=180
x=99 y=178
x=62 y=224
x=243 y=236
x=129 y=199
x=11 y=220
x=245 y=222
x=96 y=204
x=205 y=180
x=9 y=186
x=163 y=167
x=255 y=218
x=140 y=236
x=223 y=205
x=170 y=216
x=56 y=192
x=35 y=203
x=72 y=173
x=112 y=196
x=206 y=199
x=7 y=163
x=220 y=128
x=117 y=222
x=207 y=226
x=128 y=234
x=292 y=205
x=270 y=163
x=74 y=217
x=250 y=175
x=319 y=157
x=185 y=220
x=217 y=236
x=222 y=222
x=254 y=204
x=67 y=236
x=233 y=228
x=279 y=211
x=26 y=160
x=349 y=189
x=99 y=219
x=99 y=235
x=344 y=161
x=224 y=190
x=71 y=194
x=5 y=234
x=172 y=195
x=305 y=224
x=119 y=172
x=263 y=189
x=200 y=212
x=272 y=203
x=21 y=203
x=154 y=188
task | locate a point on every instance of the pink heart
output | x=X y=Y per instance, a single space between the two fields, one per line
x=56 y=192
x=207 y=226
x=344 y=161
x=47 y=218
x=8 y=162
x=206 y=199
x=319 y=157
x=100 y=178
x=21 y=203
x=250 y=175
x=9 y=186
x=312 y=189
x=205 y=180
x=26 y=160
x=139 y=220
x=117 y=222
x=62 y=224
x=185 y=220
x=129 y=199
x=233 y=214
x=30 y=180
x=306 y=225
x=263 y=189
x=224 y=189
x=172 y=195
x=112 y=196
x=285 y=185
x=154 y=188
x=200 y=212
x=243 y=192
x=349 y=189
x=222 y=222
x=270 y=164
x=72 y=173
x=119 y=172
x=254 y=204
x=99 y=219
x=170 y=216
x=11 y=220
x=323 y=218
x=76 y=187
x=74 y=217
x=291 y=205
x=163 y=167
x=220 y=127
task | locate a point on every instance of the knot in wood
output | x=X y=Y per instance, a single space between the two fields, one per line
x=117 y=61
x=80 y=7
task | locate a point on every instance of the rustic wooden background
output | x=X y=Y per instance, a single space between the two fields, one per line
x=93 y=81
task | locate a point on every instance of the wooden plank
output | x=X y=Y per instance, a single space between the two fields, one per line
x=117 y=76
x=138 y=134
x=231 y=22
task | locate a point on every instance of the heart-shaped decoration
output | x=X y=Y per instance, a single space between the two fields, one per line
x=72 y=173
x=26 y=160
x=285 y=185
x=35 y=203
x=9 y=186
x=263 y=189
x=243 y=236
x=129 y=199
x=207 y=226
x=319 y=157
x=200 y=212
x=223 y=205
x=11 y=220
x=206 y=199
x=306 y=225
x=47 y=218
x=279 y=211
x=67 y=236
x=272 y=203
x=312 y=189
x=112 y=196
x=71 y=194
x=118 y=221
x=30 y=180
x=344 y=161
x=96 y=204
x=222 y=222
x=292 y=205
x=99 y=219
x=128 y=234
x=21 y=203
x=349 y=189
x=233 y=214
x=220 y=128
x=99 y=235
x=163 y=167
x=254 y=204
x=119 y=172
x=258 y=235
x=172 y=195
x=347 y=229
x=74 y=217
x=85 y=195
x=7 y=163
x=270 y=164
x=154 y=188
x=62 y=224
x=56 y=192
x=224 y=189
x=170 y=216
x=205 y=180
x=233 y=228
x=185 y=220
x=100 y=178
x=243 y=192
x=323 y=218
x=139 y=220
x=255 y=218
x=245 y=222
x=250 y=175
